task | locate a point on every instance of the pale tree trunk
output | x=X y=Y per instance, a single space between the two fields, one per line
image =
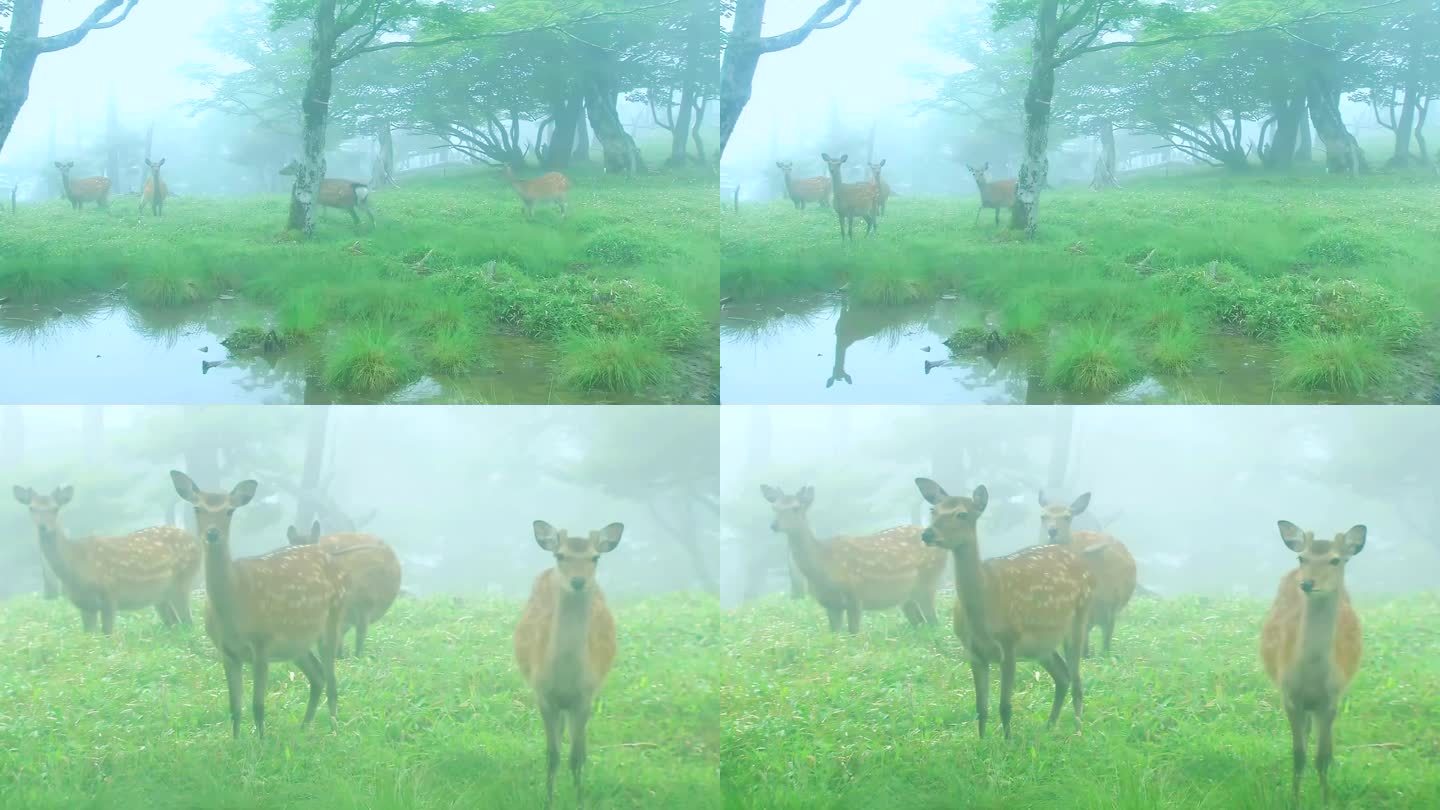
x=112 y=141
x=1305 y=148
x=695 y=132
x=1422 y=109
x=305 y=507
x=315 y=112
x=384 y=169
x=582 y=136
x=561 y=149
x=1035 y=165
x=1279 y=154
x=1105 y=165
x=1405 y=127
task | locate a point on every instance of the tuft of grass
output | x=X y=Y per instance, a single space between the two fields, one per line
x=1344 y=364
x=1176 y=349
x=452 y=351
x=369 y=359
x=1093 y=359
x=616 y=363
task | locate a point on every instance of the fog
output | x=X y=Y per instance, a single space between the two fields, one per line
x=1194 y=493
x=452 y=489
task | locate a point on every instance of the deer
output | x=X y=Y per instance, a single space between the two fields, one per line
x=372 y=575
x=1110 y=564
x=851 y=199
x=1022 y=605
x=806 y=190
x=104 y=575
x=999 y=194
x=548 y=187
x=86 y=189
x=882 y=188
x=848 y=575
x=1310 y=643
x=279 y=606
x=565 y=642
x=346 y=195
x=155 y=189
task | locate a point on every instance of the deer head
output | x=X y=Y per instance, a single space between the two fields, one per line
x=1322 y=562
x=833 y=164
x=576 y=556
x=213 y=510
x=154 y=167
x=1055 y=518
x=295 y=538
x=45 y=509
x=952 y=518
x=791 y=511
x=978 y=174
x=875 y=168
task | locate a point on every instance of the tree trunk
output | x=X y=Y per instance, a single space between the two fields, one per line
x=315 y=112
x=1405 y=127
x=737 y=69
x=701 y=105
x=618 y=148
x=582 y=135
x=17 y=62
x=1342 y=152
x=112 y=141
x=562 y=140
x=1107 y=144
x=1279 y=154
x=306 y=508
x=1421 y=110
x=1035 y=166
x=384 y=169
x=1305 y=148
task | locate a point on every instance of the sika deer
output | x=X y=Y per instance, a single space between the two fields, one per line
x=1310 y=643
x=882 y=188
x=807 y=190
x=346 y=195
x=280 y=606
x=862 y=572
x=851 y=199
x=1109 y=561
x=565 y=642
x=1022 y=605
x=549 y=187
x=155 y=189
x=86 y=189
x=103 y=575
x=372 y=572
x=999 y=194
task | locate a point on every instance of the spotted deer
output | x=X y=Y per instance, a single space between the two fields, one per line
x=1109 y=561
x=851 y=199
x=551 y=187
x=86 y=189
x=1022 y=605
x=346 y=195
x=372 y=572
x=155 y=191
x=565 y=642
x=848 y=575
x=882 y=188
x=1310 y=643
x=284 y=605
x=101 y=576
x=805 y=190
x=999 y=194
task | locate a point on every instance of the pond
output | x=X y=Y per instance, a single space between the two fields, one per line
x=103 y=349
x=828 y=348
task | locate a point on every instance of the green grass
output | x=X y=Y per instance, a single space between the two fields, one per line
x=1093 y=358
x=1344 y=364
x=451 y=256
x=612 y=363
x=1182 y=717
x=370 y=360
x=435 y=716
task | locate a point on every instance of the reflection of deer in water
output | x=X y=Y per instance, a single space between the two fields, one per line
x=855 y=325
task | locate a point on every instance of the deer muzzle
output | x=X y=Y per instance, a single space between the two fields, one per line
x=928 y=537
x=578 y=583
x=212 y=535
x=1308 y=585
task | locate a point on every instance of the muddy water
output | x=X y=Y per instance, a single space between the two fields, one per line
x=100 y=349
x=811 y=349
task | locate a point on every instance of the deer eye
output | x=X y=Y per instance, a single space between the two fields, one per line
x=595 y=559
x=1300 y=559
x=1335 y=561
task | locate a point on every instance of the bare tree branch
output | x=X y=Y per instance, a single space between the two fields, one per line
x=95 y=22
x=817 y=22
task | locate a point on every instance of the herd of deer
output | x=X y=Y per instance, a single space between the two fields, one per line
x=1041 y=603
x=298 y=602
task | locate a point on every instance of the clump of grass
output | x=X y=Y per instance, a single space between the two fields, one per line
x=1093 y=358
x=621 y=246
x=977 y=339
x=451 y=351
x=250 y=339
x=615 y=363
x=889 y=284
x=302 y=316
x=1344 y=364
x=556 y=307
x=370 y=360
x=1176 y=349
x=166 y=287
x=1025 y=317
x=1337 y=249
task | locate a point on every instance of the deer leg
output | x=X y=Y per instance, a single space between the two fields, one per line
x=181 y=605
x=1324 y=753
x=981 y=672
x=852 y=611
x=1007 y=686
x=554 y=727
x=362 y=626
x=912 y=613
x=107 y=618
x=1108 y=628
x=578 y=719
x=315 y=674
x=997 y=216
x=328 y=644
x=1299 y=730
x=88 y=619
x=835 y=615
x=1055 y=665
x=166 y=614
x=980 y=211
x=261 y=667
x=232 y=683
x=50 y=586
x=926 y=603
x=1072 y=658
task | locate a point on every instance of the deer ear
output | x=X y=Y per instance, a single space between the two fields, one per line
x=844 y=158
x=806 y=496
x=610 y=537
x=24 y=494
x=243 y=493
x=315 y=532
x=1080 y=503
x=184 y=487
x=62 y=495
x=58 y=166
x=825 y=156
x=1041 y=498
x=1291 y=534
x=981 y=497
x=161 y=163
x=771 y=493
x=986 y=167
x=292 y=536
x=929 y=490
x=882 y=163
x=546 y=536
x=1355 y=540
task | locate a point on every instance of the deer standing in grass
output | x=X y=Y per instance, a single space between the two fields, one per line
x=849 y=575
x=346 y=195
x=103 y=575
x=552 y=187
x=86 y=189
x=565 y=642
x=372 y=574
x=999 y=194
x=805 y=190
x=1110 y=564
x=1310 y=644
x=1022 y=605
x=155 y=189
x=280 y=606
x=851 y=199
x=882 y=188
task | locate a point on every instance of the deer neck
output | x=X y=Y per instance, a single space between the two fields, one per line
x=835 y=177
x=808 y=554
x=65 y=186
x=970 y=588
x=220 y=580
x=570 y=636
x=53 y=549
x=1317 y=630
x=789 y=185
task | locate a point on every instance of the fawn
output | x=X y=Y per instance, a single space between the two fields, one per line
x=999 y=194
x=1110 y=564
x=807 y=190
x=1022 y=605
x=102 y=575
x=279 y=606
x=864 y=572
x=346 y=195
x=851 y=199
x=155 y=189
x=86 y=189
x=1310 y=644
x=549 y=187
x=372 y=573
x=565 y=642
x=882 y=188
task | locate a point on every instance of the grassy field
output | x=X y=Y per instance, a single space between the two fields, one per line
x=624 y=288
x=436 y=716
x=1338 y=277
x=1182 y=718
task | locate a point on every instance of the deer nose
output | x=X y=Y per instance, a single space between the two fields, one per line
x=928 y=537
x=1052 y=531
x=578 y=583
x=774 y=525
x=1308 y=585
x=212 y=535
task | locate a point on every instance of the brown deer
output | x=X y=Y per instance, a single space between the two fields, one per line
x=548 y=187
x=851 y=199
x=346 y=195
x=103 y=575
x=1110 y=564
x=882 y=188
x=806 y=190
x=565 y=642
x=372 y=574
x=1310 y=643
x=280 y=606
x=155 y=189
x=1022 y=605
x=999 y=194
x=847 y=575
x=86 y=189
